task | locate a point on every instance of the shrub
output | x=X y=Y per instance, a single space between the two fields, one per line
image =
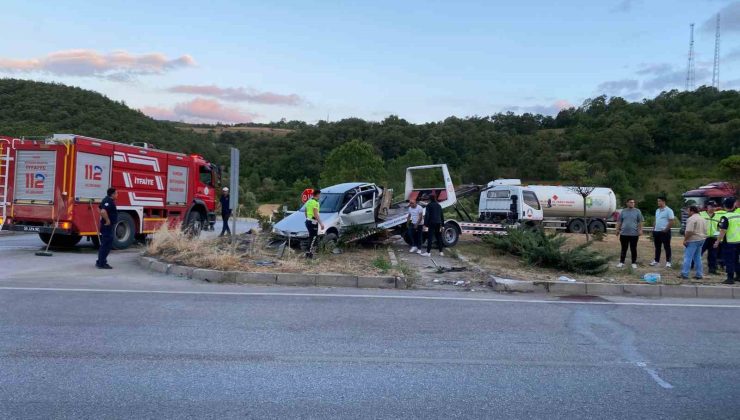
x=541 y=249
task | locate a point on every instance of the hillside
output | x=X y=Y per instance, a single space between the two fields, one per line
x=663 y=145
x=38 y=109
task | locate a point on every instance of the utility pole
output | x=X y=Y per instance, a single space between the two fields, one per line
x=690 y=73
x=715 y=72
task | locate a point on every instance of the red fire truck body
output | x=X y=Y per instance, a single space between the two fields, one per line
x=59 y=182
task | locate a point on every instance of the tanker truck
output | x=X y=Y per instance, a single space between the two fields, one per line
x=562 y=208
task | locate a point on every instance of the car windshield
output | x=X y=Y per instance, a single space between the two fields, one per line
x=329 y=202
x=694 y=201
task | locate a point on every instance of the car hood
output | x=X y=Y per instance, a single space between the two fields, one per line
x=295 y=224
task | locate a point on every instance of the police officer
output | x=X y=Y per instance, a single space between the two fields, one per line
x=225 y=211
x=729 y=236
x=313 y=220
x=712 y=219
x=108 y=219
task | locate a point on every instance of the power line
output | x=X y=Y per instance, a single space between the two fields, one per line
x=715 y=72
x=690 y=71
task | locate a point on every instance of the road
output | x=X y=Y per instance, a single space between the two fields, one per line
x=76 y=344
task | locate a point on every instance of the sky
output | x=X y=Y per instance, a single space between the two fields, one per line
x=423 y=60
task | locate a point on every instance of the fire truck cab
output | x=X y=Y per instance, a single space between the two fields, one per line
x=56 y=184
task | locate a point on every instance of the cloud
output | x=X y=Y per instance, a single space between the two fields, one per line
x=616 y=87
x=729 y=19
x=239 y=94
x=624 y=6
x=118 y=65
x=676 y=79
x=201 y=110
x=654 y=68
x=732 y=84
x=732 y=55
x=552 y=109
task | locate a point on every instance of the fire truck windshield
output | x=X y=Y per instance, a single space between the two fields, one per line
x=206 y=175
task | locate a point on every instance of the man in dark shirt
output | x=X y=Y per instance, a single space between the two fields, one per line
x=433 y=220
x=225 y=212
x=108 y=220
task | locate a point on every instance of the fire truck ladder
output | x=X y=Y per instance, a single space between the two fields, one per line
x=4 y=175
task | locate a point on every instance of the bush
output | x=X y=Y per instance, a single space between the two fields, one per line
x=541 y=249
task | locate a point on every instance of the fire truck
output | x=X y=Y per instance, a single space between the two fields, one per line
x=54 y=186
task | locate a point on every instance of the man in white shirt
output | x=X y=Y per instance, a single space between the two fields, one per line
x=416 y=225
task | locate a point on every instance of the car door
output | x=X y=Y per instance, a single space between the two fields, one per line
x=360 y=210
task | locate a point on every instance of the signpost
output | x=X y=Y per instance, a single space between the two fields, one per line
x=234 y=190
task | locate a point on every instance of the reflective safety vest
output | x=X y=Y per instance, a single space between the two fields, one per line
x=712 y=222
x=733 y=228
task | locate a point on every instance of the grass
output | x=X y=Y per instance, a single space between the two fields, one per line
x=381 y=264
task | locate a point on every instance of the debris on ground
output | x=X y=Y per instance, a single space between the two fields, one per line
x=566 y=278
x=445 y=269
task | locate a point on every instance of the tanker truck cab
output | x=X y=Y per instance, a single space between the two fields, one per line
x=509 y=204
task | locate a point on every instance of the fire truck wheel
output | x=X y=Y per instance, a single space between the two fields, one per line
x=123 y=233
x=195 y=223
x=63 y=241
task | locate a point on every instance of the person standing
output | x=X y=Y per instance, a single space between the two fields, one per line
x=629 y=229
x=313 y=221
x=108 y=220
x=225 y=211
x=712 y=219
x=416 y=224
x=729 y=237
x=433 y=220
x=694 y=237
x=664 y=219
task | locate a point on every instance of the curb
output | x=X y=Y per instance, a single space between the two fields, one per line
x=278 y=279
x=610 y=289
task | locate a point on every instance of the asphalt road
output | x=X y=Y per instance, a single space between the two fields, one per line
x=76 y=342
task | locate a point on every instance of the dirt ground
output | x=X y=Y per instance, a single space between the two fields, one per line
x=511 y=267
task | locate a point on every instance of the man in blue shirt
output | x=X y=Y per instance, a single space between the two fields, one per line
x=108 y=220
x=664 y=219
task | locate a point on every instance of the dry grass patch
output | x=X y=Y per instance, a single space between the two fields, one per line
x=251 y=253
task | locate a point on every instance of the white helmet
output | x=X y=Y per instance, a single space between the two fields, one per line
x=225 y=189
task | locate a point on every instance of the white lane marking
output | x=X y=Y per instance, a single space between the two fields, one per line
x=653 y=374
x=344 y=295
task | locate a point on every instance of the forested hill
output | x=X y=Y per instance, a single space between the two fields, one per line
x=667 y=144
x=30 y=108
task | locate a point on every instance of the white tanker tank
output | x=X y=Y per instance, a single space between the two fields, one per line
x=559 y=201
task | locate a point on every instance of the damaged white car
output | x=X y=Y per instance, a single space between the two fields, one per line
x=368 y=208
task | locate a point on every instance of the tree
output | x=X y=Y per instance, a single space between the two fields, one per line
x=577 y=172
x=397 y=167
x=353 y=161
x=731 y=167
x=248 y=201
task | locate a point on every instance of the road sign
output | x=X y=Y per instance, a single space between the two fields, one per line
x=234 y=189
x=307 y=193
